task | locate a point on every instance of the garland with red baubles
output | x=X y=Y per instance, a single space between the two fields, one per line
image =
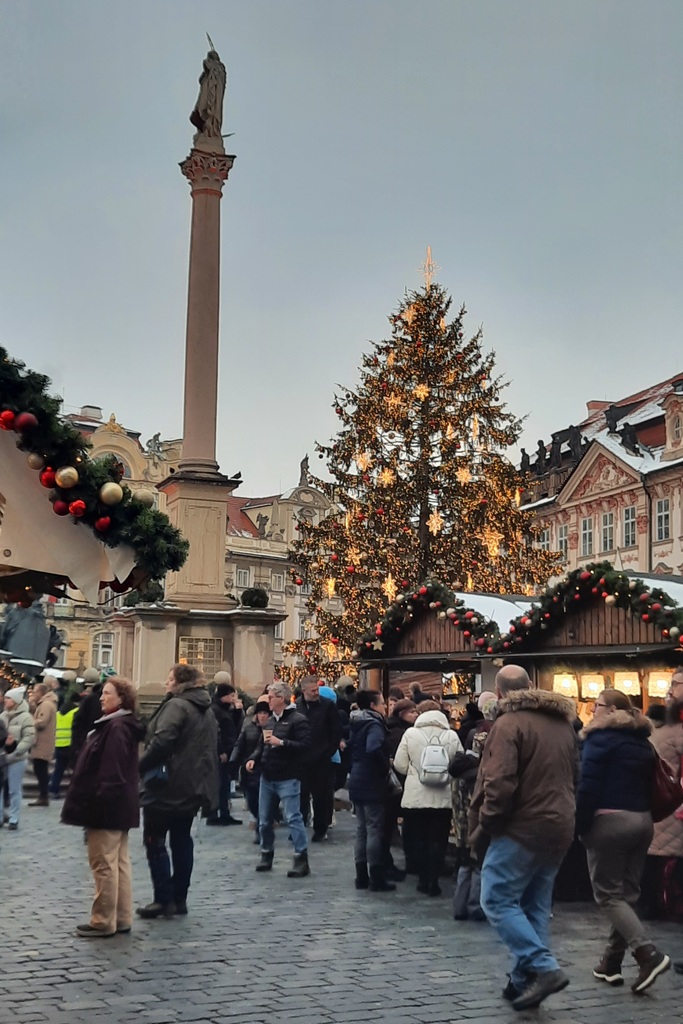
x=598 y=582
x=90 y=491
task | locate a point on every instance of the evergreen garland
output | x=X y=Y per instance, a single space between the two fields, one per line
x=598 y=582
x=27 y=408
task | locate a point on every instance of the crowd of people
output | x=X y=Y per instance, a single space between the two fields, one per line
x=510 y=785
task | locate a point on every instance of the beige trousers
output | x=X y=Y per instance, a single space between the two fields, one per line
x=112 y=907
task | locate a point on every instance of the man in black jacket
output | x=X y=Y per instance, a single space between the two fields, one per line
x=285 y=740
x=229 y=717
x=317 y=776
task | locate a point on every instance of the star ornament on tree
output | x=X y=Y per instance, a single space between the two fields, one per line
x=409 y=314
x=492 y=539
x=377 y=645
x=435 y=522
x=363 y=461
x=389 y=588
x=421 y=392
x=386 y=477
x=393 y=401
x=463 y=475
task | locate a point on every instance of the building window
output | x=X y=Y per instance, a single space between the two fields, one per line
x=587 y=536
x=305 y=589
x=677 y=428
x=544 y=539
x=277 y=581
x=607 y=537
x=303 y=632
x=630 y=526
x=563 y=540
x=280 y=631
x=663 y=521
x=103 y=650
x=202 y=652
x=243 y=577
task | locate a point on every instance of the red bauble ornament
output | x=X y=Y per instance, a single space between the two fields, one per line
x=60 y=508
x=665 y=632
x=524 y=621
x=644 y=597
x=7 y=419
x=489 y=650
x=78 y=508
x=513 y=629
x=594 y=590
x=334 y=557
x=25 y=421
x=585 y=575
x=350 y=569
x=479 y=642
x=601 y=581
x=307 y=654
x=422 y=590
x=577 y=597
x=335 y=640
x=645 y=617
x=547 y=615
x=506 y=646
x=298 y=581
x=437 y=604
x=380 y=511
x=484 y=501
x=656 y=607
x=466 y=633
x=102 y=524
x=47 y=477
x=469 y=615
x=404 y=583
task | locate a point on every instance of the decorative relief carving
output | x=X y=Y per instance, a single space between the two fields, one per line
x=604 y=476
x=642 y=523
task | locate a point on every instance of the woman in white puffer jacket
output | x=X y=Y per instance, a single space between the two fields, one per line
x=426 y=807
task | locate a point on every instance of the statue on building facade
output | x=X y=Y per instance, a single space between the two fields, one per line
x=612 y=418
x=555 y=460
x=153 y=447
x=303 y=472
x=540 y=458
x=261 y=524
x=207 y=116
x=575 y=443
x=524 y=461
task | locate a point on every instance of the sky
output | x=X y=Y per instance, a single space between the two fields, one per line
x=536 y=146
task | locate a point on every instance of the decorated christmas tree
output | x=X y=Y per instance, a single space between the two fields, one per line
x=421 y=484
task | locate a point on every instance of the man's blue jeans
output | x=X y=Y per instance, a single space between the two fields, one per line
x=516 y=895
x=288 y=792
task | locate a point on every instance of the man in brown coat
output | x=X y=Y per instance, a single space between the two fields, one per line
x=43 y=705
x=523 y=807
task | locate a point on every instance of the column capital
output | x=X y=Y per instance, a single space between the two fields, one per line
x=206 y=172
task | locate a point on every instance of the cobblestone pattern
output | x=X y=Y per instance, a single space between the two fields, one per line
x=263 y=948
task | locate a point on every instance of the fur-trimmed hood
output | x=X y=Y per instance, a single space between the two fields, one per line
x=620 y=720
x=545 y=701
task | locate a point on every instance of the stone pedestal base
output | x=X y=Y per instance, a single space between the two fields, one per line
x=197 y=503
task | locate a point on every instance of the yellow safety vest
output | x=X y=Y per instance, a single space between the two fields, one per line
x=64 y=727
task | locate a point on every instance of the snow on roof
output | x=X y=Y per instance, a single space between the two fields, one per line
x=498 y=607
x=541 y=501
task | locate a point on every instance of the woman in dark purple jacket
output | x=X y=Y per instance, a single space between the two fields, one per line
x=103 y=799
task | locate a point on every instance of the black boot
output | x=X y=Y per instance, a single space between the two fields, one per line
x=395 y=874
x=378 y=880
x=300 y=866
x=266 y=862
x=362 y=880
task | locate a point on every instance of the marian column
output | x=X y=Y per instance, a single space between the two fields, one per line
x=197 y=494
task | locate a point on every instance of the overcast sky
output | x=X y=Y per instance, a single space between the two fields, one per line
x=535 y=145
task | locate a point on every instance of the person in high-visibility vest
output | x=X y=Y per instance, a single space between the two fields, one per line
x=65 y=719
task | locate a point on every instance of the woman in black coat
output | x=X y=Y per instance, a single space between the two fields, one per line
x=615 y=824
x=103 y=799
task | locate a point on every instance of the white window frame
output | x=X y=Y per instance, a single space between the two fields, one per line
x=303 y=632
x=629 y=527
x=280 y=630
x=607 y=532
x=563 y=540
x=544 y=539
x=663 y=519
x=676 y=428
x=242 y=578
x=277 y=582
x=103 y=649
x=586 y=536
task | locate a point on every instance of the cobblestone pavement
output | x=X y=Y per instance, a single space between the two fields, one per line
x=263 y=948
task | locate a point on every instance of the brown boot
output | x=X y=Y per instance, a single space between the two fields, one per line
x=651 y=964
x=609 y=968
x=41 y=801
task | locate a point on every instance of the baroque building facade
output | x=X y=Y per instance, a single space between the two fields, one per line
x=258 y=537
x=611 y=488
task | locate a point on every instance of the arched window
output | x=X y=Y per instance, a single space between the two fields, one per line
x=677 y=428
x=103 y=650
x=126 y=467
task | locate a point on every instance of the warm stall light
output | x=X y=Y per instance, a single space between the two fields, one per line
x=566 y=684
x=592 y=685
x=658 y=682
x=628 y=683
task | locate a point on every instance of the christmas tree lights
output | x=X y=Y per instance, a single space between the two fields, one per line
x=421 y=485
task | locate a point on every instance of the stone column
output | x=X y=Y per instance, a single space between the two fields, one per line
x=206 y=173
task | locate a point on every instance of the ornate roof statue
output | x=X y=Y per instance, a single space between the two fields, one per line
x=207 y=116
x=303 y=472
